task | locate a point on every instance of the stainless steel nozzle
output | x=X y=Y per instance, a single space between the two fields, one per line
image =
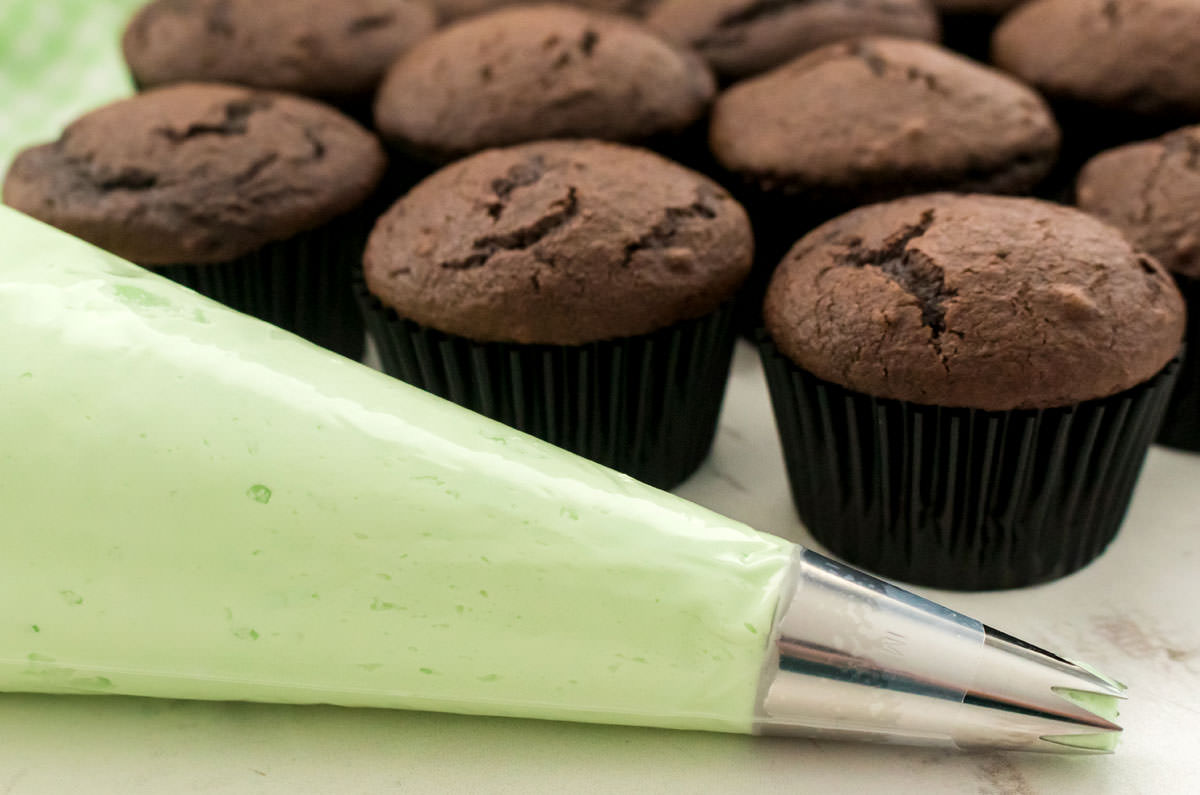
x=854 y=657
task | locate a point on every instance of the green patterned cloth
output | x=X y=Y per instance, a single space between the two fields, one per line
x=58 y=58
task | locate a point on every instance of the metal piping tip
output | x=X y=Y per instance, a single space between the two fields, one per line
x=857 y=658
x=1024 y=697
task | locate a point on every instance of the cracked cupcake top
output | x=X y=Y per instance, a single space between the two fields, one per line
x=989 y=7
x=974 y=301
x=456 y=9
x=536 y=72
x=560 y=243
x=743 y=37
x=879 y=117
x=197 y=173
x=318 y=47
x=1135 y=55
x=1151 y=192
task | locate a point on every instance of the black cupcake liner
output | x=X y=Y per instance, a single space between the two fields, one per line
x=1088 y=130
x=779 y=222
x=360 y=107
x=969 y=33
x=302 y=284
x=406 y=169
x=1181 y=426
x=961 y=498
x=687 y=146
x=646 y=406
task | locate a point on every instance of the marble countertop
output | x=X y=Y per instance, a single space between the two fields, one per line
x=1133 y=614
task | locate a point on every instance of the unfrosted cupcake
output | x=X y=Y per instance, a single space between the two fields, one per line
x=1151 y=192
x=868 y=120
x=247 y=196
x=966 y=386
x=576 y=290
x=450 y=10
x=1115 y=70
x=740 y=38
x=536 y=72
x=335 y=51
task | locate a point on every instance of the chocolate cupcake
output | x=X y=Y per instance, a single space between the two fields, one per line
x=536 y=72
x=1151 y=192
x=868 y=120
x=457 y=9
x=740 y=38
x=968 y=25
x=246 y=196
x=336 y=51
x=966 y=386
x=1115 y=70
x=577 y=290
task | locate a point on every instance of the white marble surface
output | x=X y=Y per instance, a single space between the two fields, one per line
x=1133 y=614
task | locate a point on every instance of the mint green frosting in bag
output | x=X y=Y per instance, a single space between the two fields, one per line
x=199 y=505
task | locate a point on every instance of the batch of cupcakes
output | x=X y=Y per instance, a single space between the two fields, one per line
x=562 y=216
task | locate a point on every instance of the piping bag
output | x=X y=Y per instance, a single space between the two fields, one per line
x=198 y=505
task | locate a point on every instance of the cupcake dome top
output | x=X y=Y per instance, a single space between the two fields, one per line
x=337 y=49
x=535 y=72
x=456 y=9
x=1151 y=192
x=877 y=117
x=1141 y=56
x=743 y=37
x=197 y=173
x=560 y=242
x=991 y=7
x=974 y=301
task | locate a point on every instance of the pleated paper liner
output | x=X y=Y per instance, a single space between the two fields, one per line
x=406 y=168
x=302 y=284
x=688 y=147
x=969 y=33
x=646 y=406
x=779 y=222
x=1087 y=131
x=1181 y=427
x=961 y=498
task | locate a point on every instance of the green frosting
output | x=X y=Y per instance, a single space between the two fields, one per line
x=1100 y=741
x=199 y=505
x=1099 y=704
